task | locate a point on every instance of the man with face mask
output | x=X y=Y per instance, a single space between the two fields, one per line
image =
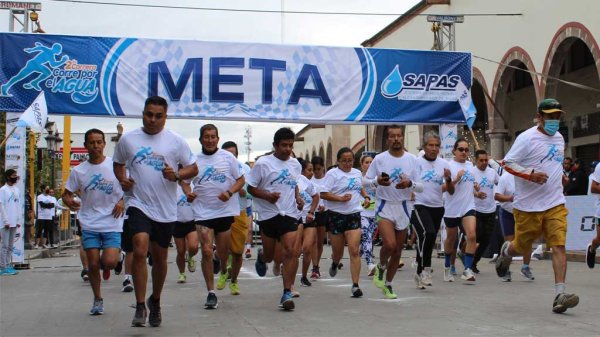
x=536 y=160
x=9 y=209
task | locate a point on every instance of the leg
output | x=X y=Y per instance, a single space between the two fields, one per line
x=353 y=239
x=485 y=224
x=388 y=236
x=308 y=244
x=223 y=240
x=180 y=259
x=93 y=256
x=290 y=261
x=318 y=251
x=159 y=268
x=4 y=253
x=110 y=257
x=139 y=270
x=206 y=240
x=470 y=228
x=191 y=241
x=396 y=254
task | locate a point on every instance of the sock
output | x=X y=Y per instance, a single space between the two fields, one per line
x=468 y=261
x=525 y=266
x=285 y=290
x=559 y=288
x=128 y=277
x=211 y=291
x=141 y=303
x=388 y=283
x=447 y=258
x=355 y=285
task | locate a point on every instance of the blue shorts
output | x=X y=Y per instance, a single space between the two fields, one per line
x=97 y=240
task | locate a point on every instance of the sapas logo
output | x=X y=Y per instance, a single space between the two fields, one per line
x=52 y=69
x=413 y=86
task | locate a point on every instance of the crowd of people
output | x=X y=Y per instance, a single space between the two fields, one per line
x=155 y=189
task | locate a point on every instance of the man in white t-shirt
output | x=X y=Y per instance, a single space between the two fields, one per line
x=100 y=211
x=10 y=206
x=273 y=181
x=393 y=173
x=152 y=155
x=594 y=189
x=215 y=202
x=46 y=211
x=539 y=207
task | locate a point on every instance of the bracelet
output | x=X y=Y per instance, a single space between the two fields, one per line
x=229 y=193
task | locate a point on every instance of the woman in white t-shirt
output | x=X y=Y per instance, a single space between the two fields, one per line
x=307 y=228
x=343 y=193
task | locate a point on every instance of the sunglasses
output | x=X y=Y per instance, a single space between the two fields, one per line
x=462 y=149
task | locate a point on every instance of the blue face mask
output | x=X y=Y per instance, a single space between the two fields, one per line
x=551 y=126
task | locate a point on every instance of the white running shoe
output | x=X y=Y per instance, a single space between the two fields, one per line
x=468 y=275
x=448 y=277
x=418 y=281
x=426 y=277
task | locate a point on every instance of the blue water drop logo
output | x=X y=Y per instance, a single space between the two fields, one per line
x=392 y=84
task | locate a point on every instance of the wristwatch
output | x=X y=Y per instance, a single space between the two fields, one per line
x=229 y=193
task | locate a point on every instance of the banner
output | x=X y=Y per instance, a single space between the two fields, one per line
x=15 y=159
x=103 y=76
x=448 y=135
x=581 y=228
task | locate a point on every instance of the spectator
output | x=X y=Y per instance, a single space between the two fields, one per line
x=578 y=179
x=592 y=168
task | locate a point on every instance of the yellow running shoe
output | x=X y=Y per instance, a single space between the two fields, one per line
x=234 y=288
x=222 y=281
x=191 y=264
x=181 y=278
x=378 y=279
x=389 y=293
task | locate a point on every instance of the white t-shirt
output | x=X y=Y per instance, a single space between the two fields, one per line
x=46 y=213
x=535 y=150
x=144 y=155
x=369 y=212
x=319 y=186
x=506 y=186
x=216 y=174
x=339 y=183
x=596 y=177
x=274 y=175
x=458 y=204
x=10 y=198
x=307 y=191
x=184 y=208
x=396 y=168
x=99 y=191
x=246 y=200
x=431 y=175
x=486 y=179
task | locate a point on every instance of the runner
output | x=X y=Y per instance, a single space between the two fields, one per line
x=215 y=202
x=343 y=194
x=367 y=221
x=185 y=236
x=460 y=211
x=101 y=211
x=273 y=183
x=307 y=228
x=320 y=216
x=152 y=155
x=391 y=172
x=539 y=208
x=485 y=205
x=434 y=174
x=590 y=255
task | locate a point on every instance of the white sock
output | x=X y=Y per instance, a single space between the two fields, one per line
x=559 y=288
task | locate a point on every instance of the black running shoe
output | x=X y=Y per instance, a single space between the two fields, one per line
x=260 y=265
x=211 y=301
x=139 y=319
x=154 y=318
x=305 y=282
x=590 y=256
x=119 y=266
x=475 y=269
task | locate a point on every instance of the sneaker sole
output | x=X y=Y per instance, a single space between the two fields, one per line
x=470 y=279
x=357 y=294
x=590 y=259
x=529 y=278
x=127 y=289
x=97 y=313
x=288 y=305
x=138 y=324
x=570 y=303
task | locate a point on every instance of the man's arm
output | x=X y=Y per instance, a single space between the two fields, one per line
x=595 y=186
x=121 y=174
x=68 y=198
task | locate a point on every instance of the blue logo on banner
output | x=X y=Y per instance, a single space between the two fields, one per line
x=60 y=75
x=424 y=86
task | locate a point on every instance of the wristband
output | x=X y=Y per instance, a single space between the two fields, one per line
x=229 y=193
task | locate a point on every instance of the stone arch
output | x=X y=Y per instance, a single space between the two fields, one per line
x=322 y=151
x=314 y=152
x=329 y=154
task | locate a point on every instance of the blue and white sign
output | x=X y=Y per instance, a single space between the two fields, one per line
x=233 y=81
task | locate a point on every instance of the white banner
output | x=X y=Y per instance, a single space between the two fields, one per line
x=581 y=229
x=448 y=134
x=15 y=159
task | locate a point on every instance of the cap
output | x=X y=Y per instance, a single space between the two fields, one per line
x=549 y=105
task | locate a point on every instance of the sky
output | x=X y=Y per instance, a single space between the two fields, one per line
x=76 y=18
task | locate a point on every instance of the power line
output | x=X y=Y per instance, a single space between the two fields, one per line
x=89 y=2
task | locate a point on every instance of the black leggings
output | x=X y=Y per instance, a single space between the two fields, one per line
x=486 y=222
x=46 y=227
x=426 y=223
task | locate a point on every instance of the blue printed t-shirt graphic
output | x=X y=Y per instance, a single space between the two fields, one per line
x=182 y=202
x=13 y=198
x=396 y=175
x=430 y=176
x=306 y=197
x=552 y=154
x=485 y=183
x=284 y=178
x=353 y=184
x=212 y=174
x=60 y=74
x=98 y=183
x=468 y=177
x=145 y=156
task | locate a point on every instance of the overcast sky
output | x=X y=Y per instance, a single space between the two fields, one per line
x=64 y=17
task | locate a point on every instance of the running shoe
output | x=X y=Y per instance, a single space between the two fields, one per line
x=400 y=264
x=2 y=271
x=222 y=281
x=286 y=302
x=389 y=293
x=295 y=293
x=371 y=269
x=276 y=269
x=448 y=277
x=453 y=270
x=84 y=275
x=475 y=269
x=105 y=274
x=191 y=264
x=333 y=269
x=418 y=281
x=526 y=272
x=139 y=319
x=248 y=253
x=564 y=301
x=378 y=280
x=468 y=275
x=154 y=317
x=11 y=271
x=305 y=282
x=211 y=301
x=356 y=292
x=340 y=265
x=507 y=277
x=97 y=307
x=234 y=288
x=181 y=278
x=493 y=260
x=316 y=274
x=119 y=266
x=590 y=256
x=261 y=267
x=426 y=277
x=127 y=286
x=504 y=261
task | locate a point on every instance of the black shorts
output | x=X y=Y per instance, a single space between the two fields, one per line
x=312 y=224
x=321 y=219
x=218 y=224
x=160 y=232
x=126 y=238
x=457 y=222
x=182 y=229
x=278 y=225
x=340 y=223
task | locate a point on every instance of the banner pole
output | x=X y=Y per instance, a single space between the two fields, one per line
x=7 y=137
x=474 y=139
x=66 y=162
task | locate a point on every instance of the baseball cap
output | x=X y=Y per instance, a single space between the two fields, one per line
x=549 y=105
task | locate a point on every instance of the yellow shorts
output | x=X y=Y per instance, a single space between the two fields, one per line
x=239 y=232
x=551 y=223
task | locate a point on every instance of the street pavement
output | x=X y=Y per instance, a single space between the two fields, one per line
x=50 y=299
